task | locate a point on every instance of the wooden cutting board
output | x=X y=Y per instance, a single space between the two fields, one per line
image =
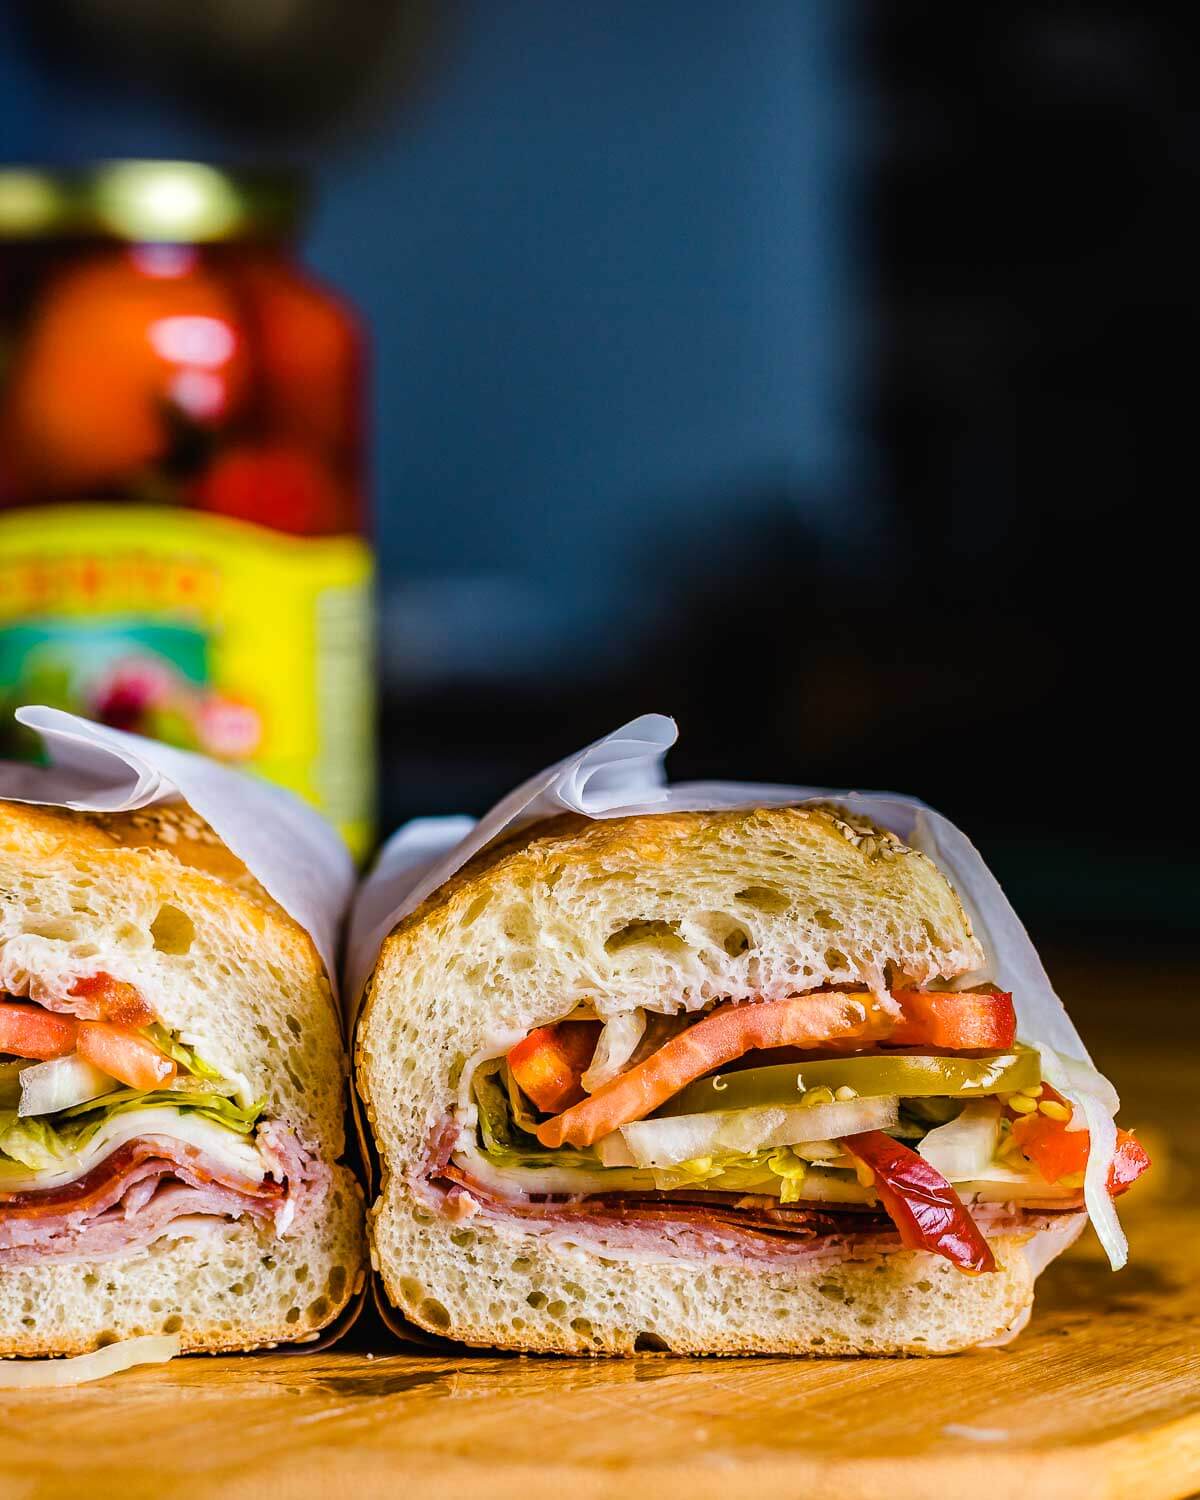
x=1099 y=1397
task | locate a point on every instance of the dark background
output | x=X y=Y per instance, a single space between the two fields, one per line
x=816 y=372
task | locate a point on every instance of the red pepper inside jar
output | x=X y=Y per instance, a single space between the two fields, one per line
x=182 y=548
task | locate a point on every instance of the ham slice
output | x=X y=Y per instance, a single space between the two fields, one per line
x=711 y=1227
x=149 y=1187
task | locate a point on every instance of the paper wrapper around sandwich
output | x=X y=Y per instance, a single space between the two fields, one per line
x=297 y=857
x=622 y=774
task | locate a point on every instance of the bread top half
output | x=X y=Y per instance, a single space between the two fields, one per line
x=812 y=866
x=171 y=828
x=155 y=898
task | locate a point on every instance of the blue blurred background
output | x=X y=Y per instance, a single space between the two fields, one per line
x=806 y=370
x=607 y=261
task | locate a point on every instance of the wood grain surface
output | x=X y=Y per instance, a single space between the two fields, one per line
x=1099 y=1397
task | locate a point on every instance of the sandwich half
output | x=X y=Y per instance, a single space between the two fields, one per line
x=171 y=1094
x=710 y=1082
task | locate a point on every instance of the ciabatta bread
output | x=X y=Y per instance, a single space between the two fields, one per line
x=154 y=898
x=669 y=912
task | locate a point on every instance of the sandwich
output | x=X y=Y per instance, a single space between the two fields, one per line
x=171 y=1094
x=731 y=1081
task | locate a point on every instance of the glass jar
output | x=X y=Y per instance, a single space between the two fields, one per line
x=182 y=527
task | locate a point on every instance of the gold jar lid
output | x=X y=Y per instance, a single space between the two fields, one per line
x=168 y=202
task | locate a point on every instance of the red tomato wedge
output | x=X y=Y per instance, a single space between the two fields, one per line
x=826 y=1019
x=110 y=999
x=30 y=1031
x=1058 y=1152
x=920 y=1202
x=976 y=1020
x=124 y=1055
x=550 y=1062
x=725 y=1034
x=1129 y=1161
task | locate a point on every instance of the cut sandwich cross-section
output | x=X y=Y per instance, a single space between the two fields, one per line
x=170 y=1111
x=671 y=1077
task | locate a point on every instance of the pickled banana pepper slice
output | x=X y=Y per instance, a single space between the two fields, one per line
x=924 y=1076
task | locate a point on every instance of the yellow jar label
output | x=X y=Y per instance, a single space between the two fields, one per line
x=214 y=634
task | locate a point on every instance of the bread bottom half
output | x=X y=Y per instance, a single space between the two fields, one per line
x=498 y=1287
x=225 y=1287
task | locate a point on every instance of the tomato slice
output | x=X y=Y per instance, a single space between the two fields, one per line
x=550 y=1062
x=724 y=1034
x=975 y=1020
x=110 y=999
x=920 y=1202
x=824 y=1019
x=30 y=1031
x=124 y=1055
x=1058 y=1152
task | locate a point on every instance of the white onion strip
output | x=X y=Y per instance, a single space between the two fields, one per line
x=28 y=1374
x=618 y=1042
x=1071 y=1077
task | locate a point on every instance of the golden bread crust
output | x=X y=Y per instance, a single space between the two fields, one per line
x=168 y=839
x=553 y=843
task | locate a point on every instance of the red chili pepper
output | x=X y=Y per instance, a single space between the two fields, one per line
x=920 y=1202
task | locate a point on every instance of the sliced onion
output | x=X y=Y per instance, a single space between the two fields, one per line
x=666 y=1142
x=25 y=1374
x=963 y=1148
x=60 y=1083
x=618 y=1042
x=1096 y=1100
x=1099 y=1201
x=613 y=1152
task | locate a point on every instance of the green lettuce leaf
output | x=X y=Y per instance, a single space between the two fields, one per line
x=81 y=1122
x=34 y=1143
x=505 y=1136
x=184 y=1056
x=776 y=1171
x=41 y=1143
x=503 y=1139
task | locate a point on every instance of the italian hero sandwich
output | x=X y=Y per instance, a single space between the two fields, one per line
x=728 y=1081
x=171 y=1075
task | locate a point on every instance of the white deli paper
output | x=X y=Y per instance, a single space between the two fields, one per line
x=623 y=773
x=289 y=849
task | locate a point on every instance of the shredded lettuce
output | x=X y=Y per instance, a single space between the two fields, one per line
x=776 y=1171
x=42 y=1142
x=502 y=1135
x=506 y=1137
x=791 y=1169
x=182 y=1055
x=34 y=1143
x=506 y=1127
x=82 y=1121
